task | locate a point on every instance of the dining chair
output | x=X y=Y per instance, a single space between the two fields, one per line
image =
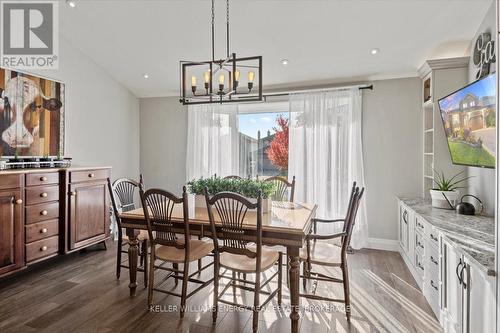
x=282 y=186
x=323 y=251
x=122 y=193
x=235 y=253
x=233 y=177
x=167 y=247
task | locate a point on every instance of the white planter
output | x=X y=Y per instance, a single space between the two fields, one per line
x=439 y=200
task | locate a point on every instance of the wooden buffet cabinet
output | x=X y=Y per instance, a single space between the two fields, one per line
x=48 y=212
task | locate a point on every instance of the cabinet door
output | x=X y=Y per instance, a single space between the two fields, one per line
x=479 y=304
x=11 y=231
x=404 y=219
x=452 y=290
x=88 y=213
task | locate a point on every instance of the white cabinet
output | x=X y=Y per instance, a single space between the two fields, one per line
x=451 y=286
x=479 y=300
x=404 y=228
x=468 y=297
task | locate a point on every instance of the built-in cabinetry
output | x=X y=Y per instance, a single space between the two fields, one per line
x=459 y=291
x=440 y=77
x=44 y=213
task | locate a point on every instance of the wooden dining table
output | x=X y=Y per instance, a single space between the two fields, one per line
x=287 y=224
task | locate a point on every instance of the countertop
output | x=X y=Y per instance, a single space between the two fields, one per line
x=42 y=170
x=473 y=235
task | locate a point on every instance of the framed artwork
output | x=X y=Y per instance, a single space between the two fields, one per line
x=31 y=115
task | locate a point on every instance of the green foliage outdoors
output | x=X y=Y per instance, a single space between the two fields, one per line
x=465 y=154
x=246 y=187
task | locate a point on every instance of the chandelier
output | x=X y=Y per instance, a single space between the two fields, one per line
x=223 y=80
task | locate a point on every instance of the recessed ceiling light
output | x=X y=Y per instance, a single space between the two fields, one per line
x=71 y=3
x=284 y=62
x=374 y=51
x=146 y=76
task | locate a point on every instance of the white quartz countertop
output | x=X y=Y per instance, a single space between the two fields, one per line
x=473 y=235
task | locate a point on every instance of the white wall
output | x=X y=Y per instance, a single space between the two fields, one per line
x=392 y=148
x=392 y=144
x=163 y=143
x=102 y=116
x=482 y=183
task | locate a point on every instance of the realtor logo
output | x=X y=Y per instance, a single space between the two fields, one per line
x=29 y=34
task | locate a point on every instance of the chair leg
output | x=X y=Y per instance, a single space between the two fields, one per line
x=256 y=309
x=151 y=277
x=280 y=277
x=105 y=246
x=145 y=254
x=141 y=253
x=347 y=301
x=199 y=260
x=184 y=288
x=119 y=257
x=304 y=273
x=287 y=269
x=216 y=289
x=176 y=267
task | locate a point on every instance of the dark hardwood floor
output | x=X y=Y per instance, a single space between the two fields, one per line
x=79 y=293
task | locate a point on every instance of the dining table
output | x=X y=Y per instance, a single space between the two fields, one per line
x=286 y=225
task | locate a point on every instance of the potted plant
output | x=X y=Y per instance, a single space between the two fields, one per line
x=45 y=161
x=248 y=188
x=445 y=194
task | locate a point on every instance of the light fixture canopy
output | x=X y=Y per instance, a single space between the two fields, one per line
x=71 y=3
x=226 y=80
x=374 y=51
x=145 y=75
x=285 y=62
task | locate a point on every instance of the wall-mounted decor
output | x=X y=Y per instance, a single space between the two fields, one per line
x=483 y=54
x=31 y=115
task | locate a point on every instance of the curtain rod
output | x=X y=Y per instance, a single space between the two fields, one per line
x=288 y=92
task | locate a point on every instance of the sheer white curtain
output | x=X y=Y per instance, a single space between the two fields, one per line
x=325 y=153
x=212 y=144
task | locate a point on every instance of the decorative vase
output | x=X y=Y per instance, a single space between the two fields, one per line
x=444 y=199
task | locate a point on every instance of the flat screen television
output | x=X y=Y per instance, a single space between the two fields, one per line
x=469 y=120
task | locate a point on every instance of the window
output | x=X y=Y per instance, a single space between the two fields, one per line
x=263 y=139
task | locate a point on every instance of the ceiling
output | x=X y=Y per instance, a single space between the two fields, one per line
x=325 y=41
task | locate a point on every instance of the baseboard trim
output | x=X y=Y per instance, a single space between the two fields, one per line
x=383 y=244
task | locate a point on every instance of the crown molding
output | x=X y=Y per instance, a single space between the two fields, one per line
x=434 y=64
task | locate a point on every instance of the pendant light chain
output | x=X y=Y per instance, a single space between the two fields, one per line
x=227 y=28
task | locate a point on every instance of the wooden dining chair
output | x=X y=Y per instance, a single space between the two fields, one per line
x=168 y=248
x=323 y=251
x=234 y=253
x=233 y=177
x=122 y=193
x=282 y=186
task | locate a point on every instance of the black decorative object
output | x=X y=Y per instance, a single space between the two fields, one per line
x=483 y=54
x=466 y=208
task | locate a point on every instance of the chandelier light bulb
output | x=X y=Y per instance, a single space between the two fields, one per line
x=251 y=76
x=237 y=75
x=206 y=76
x=193 y=81
x=221 y=79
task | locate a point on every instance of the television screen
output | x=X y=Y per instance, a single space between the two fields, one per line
x=469 y=121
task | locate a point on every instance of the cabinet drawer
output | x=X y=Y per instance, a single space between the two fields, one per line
x=420 y=224
x=42 y=248
x=42 y=212
x=41 y=194
x=41 y=230
x=419 y=243
x=87 y=175
x=432 y=235
x=10 y=181
x=419 y=264
x=33 y=179
x=431 y=293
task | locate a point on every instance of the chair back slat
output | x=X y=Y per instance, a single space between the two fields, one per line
x=122 y=193
x=350 y=220
x=232 y=209
x=282 y=186
x=158 y=209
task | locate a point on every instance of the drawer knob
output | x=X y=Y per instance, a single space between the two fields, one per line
x=43 y=179
x=43 y=248
x=44 y=212
x=44 y=231
x=43 y=195
x=19 y=201
x=91 y=175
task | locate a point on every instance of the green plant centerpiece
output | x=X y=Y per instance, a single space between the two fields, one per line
x=445 y=192
x=248 y=188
